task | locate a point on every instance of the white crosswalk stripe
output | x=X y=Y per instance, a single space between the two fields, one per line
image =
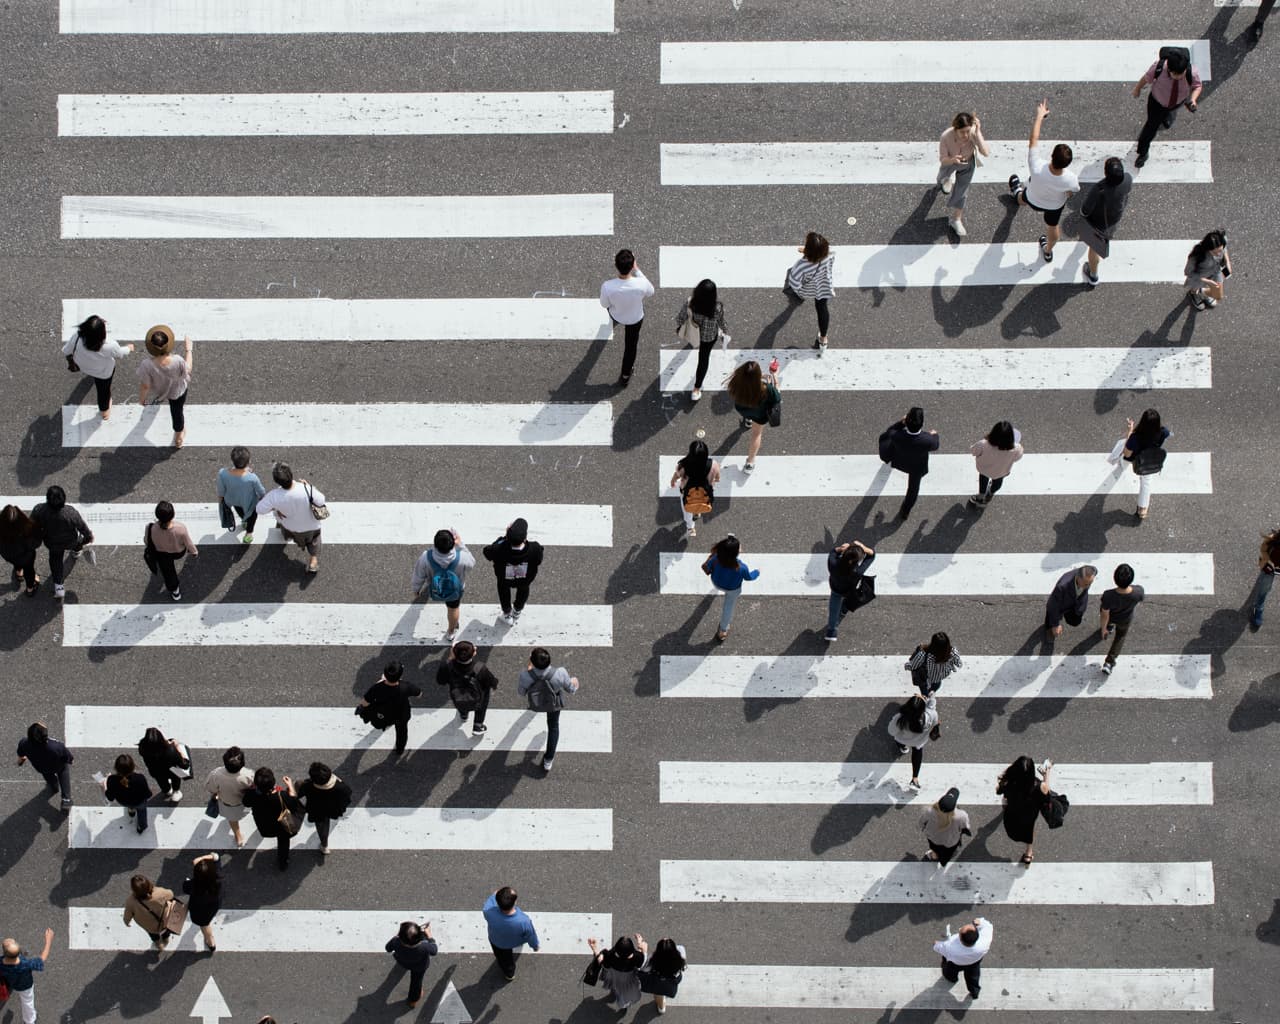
x=392 y=424
x=359 y=522
x=927 y=266
x=960 y=369
x=1006 y=574
x=1055 y=990
x=525 y=216
x=361 y=828
x=907 y=163
x=1060 y=884
x=857 y=476
x=209 y=17
x=995 y=677
x=337 y=113
x=903 y=61
x=320 y=319
x=1160 y=784
x=316 y=624
x=331 y=930
x=302 y=728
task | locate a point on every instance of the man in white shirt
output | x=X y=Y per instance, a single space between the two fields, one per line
x=623 y=296
x=964 y=952
x=1049 y=185
x=292 y=501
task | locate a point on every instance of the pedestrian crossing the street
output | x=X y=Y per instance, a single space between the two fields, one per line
x=1003 y=574
x=907 y=163
x=861 y=476
x=301 y=728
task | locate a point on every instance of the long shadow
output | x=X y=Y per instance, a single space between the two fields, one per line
x=1034 y=712
x=677 y=641
x=844 y=821
x=41 y=453
x=949 y=532
x=978 y=305
x=1036 y=314
x=1269 y=930
x=1259 y=706
x=485 y=989
x=807 y=644
x=887 y=267
x=644 y=415
x=1086 y=528
x=637 y=573
x=983 y=712
x=1228 y=56
x=1107 y=397
x=1218 y=634
x=858 y=526
x=22 y=617
x=376 y=1004
x=869 y=918
x=23 y=824
x=131 y=985
x=768 y=335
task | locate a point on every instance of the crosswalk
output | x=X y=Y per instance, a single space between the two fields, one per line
x=578 y=210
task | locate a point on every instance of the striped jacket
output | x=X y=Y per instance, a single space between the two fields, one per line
x=812 y=280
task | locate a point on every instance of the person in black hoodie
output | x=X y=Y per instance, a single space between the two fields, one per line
x=470 y=683
x=515 y=561
x=19 y=542
x=268 y=801
x=166 y=762
x=906 y=446
x=63 y=529
x=386 y=703
x=327 y=798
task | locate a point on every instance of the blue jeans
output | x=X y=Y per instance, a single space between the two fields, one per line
x=141 y=816
x=553 y=734
x=730 y=602
x=1260 y=591
x=835 y=612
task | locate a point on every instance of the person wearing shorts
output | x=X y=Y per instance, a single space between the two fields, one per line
x=1049 y=184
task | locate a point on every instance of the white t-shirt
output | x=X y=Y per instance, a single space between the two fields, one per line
x=624 y=297
x=294 y=507
x=1047 y=190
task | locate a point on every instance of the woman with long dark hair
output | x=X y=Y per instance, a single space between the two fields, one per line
x=707 y=312
x=1142 y=447
x=620 y=966
x=129 y=788
x=727 y=571
x=1208 y=265
x=696 y=475
x=146 y=904
x=19 y=542
x=204 y=888
x=994 y=457
x=912 y=728
x=167 y=761
x=89 y=351
x=810 y=277
x=1023 y=791
x=845 y=564
x=754 y=395
x=664 y=972
x=931 y=663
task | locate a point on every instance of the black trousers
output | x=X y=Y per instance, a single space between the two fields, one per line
x=985 y=483
x=322 y=830
x=972 y=975
x=176 y=413
x=917 y=759
x=505 y=589
x=26 y=569
x=913 y=492
x=1263 y=11
x=704 y=360
x=1156 y=113
x=102 y=385
x=415 y=981
x=631 y=342
x=282 y=849
x=169 y=569
x=506 y=959
x=482 y=707
x=402 y=735
x=1071 y=617
x=57 y=566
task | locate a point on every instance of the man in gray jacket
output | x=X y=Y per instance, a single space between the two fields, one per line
x=1068 y=600
x=441 y=571
x=545 y=687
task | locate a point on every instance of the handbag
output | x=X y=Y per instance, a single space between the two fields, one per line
x=288 y=821
x=1054 y=809
x=226 y=516
x=688 y=331
x=1149 y=460
x=211 y=807
x=862 y=592
x=182 y=770
x=659 y=984
x=775 y=413
x=320 y=512
x=72 y=365
x=149 y=552
x=174 y=917
x=936 y=732
x=592 y=974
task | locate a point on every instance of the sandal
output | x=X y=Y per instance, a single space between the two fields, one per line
x=1027 y=858
x=930 y=856
x=1141 y=512
x=722 y=635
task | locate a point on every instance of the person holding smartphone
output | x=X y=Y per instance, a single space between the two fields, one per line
x=1208 y=266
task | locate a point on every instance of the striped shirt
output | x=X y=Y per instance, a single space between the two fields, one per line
x=935 y=671
x=709 y=327
x=812 y=280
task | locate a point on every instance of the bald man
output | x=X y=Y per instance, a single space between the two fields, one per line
x=18 y=972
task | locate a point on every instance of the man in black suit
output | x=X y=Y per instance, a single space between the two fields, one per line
x=906 y=447
x=1069 y=599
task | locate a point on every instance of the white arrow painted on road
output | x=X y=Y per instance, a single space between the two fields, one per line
x=452 y=1010
x=210 y=1006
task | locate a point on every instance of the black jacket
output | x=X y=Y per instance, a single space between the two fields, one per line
x=393 y=699
x=501 y=554
x=909 y=452
x=1063 y=599
x=1104 y=205
x=61 y=529
x=325 y=804
x=266 y=808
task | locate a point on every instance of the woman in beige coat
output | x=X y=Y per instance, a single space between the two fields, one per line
x=146 y=904
x=995 y=455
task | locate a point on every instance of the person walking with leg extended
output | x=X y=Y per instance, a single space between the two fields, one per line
x=277 y=811
x=994 y=457
x=412 y=948
x=623 y=296
x=515 y=561
x=19 y=542
x=1268 y=566
x=944 y=828
x=905 y=446
x=1117 y=608
x=1143 y=448
x=706 y=312
x=468 y=682
x=1208 y=267
x=326 y=798
x=1102 y=209
x=1260 y=21
x=964 y=951
x=1174 y=83
x=696 y=475
x=545 y=688
x=227 y=785
x=63 y=531
x=811 y=277
x=1049 y=185
x=299 y=509
x=50 y=758
x=148 y=903
x=165 y=377
x=204 y=889
x=1068 y=600
x=664 y=972
x=17 y=971
x=167 y=761
x=846 y=565
x=1023 y=792
x=386 y=703
x=915 y=724
x=931 y=663
x=441 y=572
x=755 y=396
x=727 y=572
x=509 y=929
x=958 y=150
x=88 y=351
x=128 y=788
x=239 y=491
x=168 y=540
x=619 y=968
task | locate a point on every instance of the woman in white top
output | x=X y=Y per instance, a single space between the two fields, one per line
x=958 y=149
x=227 y=784
x=165 y=377
x=810 y=278
x=88 y=350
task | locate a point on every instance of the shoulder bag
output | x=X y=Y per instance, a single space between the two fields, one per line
x=775 y=410
x=862 y=592
x=149 y=552
x=320 y=512
x=174 y=917
x=1054 y=809
x=211 y=807
x=72 y=365
x=659 y=984
x=688 y=331
x=289 y=822
x=592 y=974
x=1149 y=460
x=225 y=516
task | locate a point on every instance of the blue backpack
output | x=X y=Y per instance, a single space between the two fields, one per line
x=445 y=584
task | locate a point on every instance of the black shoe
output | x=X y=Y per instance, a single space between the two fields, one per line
x=478 y=728
x=1168 y=120
x=1014 y=183
x=903 y=516
x=623 y=380
x=1141 y=160
x=1255 y=32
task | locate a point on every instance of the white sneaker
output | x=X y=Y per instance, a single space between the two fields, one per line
x=1106 y=668
x=515 y=616
x=696 y=395
x=947 y=183
x=691 y=530
x=509 y=618
x=958 y=227
x=451 y=636
x=175 y=797
x=59 y=591
x=546 y=765
x=1045 y=765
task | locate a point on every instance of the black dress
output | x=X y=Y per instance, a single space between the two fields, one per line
x=1021 y=810
x=160 y=761
x=325 y=804
x=203 y=904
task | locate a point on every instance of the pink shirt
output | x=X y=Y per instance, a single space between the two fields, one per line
x=1169 y=91
x=171 y=541
x=952 y=144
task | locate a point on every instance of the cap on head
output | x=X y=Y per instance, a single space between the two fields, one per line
x=947 y=803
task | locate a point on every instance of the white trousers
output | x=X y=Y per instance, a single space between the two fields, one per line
x=27 y=997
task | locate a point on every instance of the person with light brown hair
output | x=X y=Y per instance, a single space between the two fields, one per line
x=958 y=150
x=165 y=377
x=754 y=394
x=146 y=904
x=810 y=277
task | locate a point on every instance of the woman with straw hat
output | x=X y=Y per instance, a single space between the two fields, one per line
x=165 y=377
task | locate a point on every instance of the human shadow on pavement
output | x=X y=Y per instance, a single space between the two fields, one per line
x=490 y=987
x=377 y=1004
x=1218 y=634
x=1045 y=709
x=638 y=571
x=22 y=826
x=647 y=411
x=975 y=306
x=22 y=617
x=1259 y=706
x=679 y=641
x=888 y=264
x=1228 y=54
x=948 y=534
x=1269 y=930
x=40 y=452
x=983 y=711
x=872 y=745
x=1107 y=397
x=869 y=918
x=1085 y=529
x=808 y=644
x=131 y=985
x=1036 y=314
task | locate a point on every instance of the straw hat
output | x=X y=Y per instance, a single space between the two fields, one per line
x=164 y=347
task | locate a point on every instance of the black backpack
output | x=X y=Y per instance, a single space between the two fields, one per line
x=1149 y=460
x=1172 y=51
x=464 y=691
x=542 y=697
